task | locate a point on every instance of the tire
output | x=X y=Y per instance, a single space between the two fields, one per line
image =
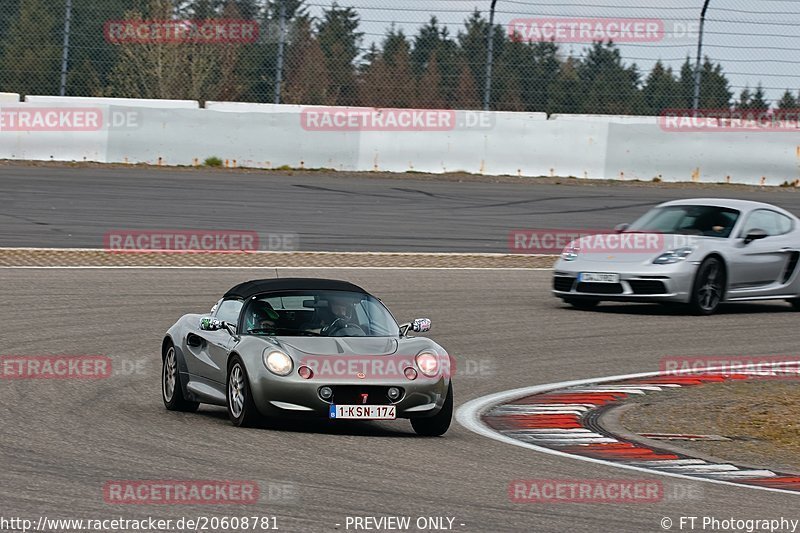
x=239 y=400
x=795 y=303
x=580 y=303
x=172 y=391
x=708 y=289
x=438 y=424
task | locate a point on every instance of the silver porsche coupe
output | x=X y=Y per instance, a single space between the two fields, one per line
x=699 y=252
x=307 y=347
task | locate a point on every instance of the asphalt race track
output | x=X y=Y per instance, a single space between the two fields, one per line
x=62 y=441
x=74 y=207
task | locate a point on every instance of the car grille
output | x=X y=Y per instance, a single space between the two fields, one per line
x=563 y=283
x=600 y=288
x=647 y=286
x=351 y=395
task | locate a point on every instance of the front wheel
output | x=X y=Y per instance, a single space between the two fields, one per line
x=171 y=387
x=438 y=424
x=241 y=407
x=708 y=288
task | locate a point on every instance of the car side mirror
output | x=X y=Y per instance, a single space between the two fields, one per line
x=208 y=323
x=619 y=228
x=754 y=235
x=419 y=325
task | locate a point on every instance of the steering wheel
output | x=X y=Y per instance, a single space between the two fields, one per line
x=341 y=324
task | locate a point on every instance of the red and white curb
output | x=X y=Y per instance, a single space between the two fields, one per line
x=557 y=418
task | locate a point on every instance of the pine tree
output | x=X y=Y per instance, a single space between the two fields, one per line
x=295 y=9
x=91 y=55
x=537 y=82
x=426 y=43
x=472 y=42
x=31 y=56
x=745 y=99
x=234 y=73
x=340 y=42
x=511 y=98
x=511 y=63
x=8 y=14
x=386 y=81
x=752 y=101
x=787 y=101
x=609 y=86
x=375 y=87
x=686 y=85
x=566 y=95
x=466 y=94
x=715 y=90
x=429 y=95
x=307 y=77
x=759 y=101
x=661 y=90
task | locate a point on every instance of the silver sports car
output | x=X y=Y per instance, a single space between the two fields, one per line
x=313 y=347
x=700 y=252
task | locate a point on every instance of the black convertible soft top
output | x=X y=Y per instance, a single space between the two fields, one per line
x=259 y=286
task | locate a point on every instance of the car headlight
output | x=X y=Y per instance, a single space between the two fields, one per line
x=428 y=363
x=570 y=253
x=278 y=362
x=673 y=256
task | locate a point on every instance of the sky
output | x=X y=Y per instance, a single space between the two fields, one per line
x=754 y=40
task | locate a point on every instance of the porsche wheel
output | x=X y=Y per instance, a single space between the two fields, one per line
x=171 y=387
x=241 y=408
x=438 y=424
x=709 y=286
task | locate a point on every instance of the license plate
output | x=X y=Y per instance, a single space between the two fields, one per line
x=598 y=277
x=363 y=412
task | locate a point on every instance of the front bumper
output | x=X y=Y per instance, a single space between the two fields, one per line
x=637 y=282
x=293 y=396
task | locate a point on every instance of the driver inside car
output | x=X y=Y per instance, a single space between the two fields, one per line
x=341 y=318
x=713 y=224
x=340 y=313
x=260 y=316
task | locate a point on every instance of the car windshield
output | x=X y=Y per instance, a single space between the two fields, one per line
x=708 y=221
x=318 y=314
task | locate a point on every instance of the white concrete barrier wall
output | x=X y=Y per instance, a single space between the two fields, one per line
x=85 y=101
x=494 y=143
x=26 y=134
